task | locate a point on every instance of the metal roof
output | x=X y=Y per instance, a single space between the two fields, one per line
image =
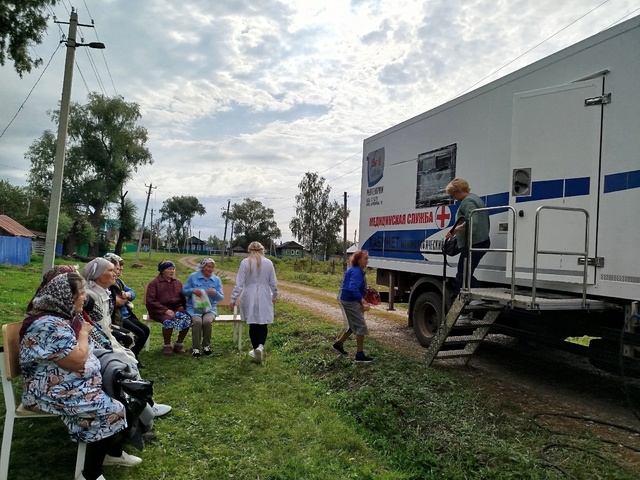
x=8 y=226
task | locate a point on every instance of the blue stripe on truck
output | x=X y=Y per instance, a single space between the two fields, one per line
x=622 y=181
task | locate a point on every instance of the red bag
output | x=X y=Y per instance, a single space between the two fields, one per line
x=372 y=296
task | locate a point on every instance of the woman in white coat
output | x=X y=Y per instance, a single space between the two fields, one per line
x=256 y=289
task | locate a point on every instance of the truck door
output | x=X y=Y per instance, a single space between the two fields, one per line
x=555 y=160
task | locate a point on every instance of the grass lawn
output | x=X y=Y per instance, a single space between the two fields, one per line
x=309 y=413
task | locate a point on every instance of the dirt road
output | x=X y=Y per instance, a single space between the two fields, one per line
x=536 y=379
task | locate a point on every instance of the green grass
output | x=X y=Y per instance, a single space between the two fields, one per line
x=309 y=413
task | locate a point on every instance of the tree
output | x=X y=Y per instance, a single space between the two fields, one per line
x=180 y=211
x=127 y=216
x=215 y=242
x=21 y=25
x=105 y=147
x=24 y=207
x=317 y=220
x=252 y=221
x=13 y=201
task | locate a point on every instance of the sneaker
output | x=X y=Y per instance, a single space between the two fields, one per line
x=338 y=346
x=252 y=354
x=149 y=436
x=361 y=357
x=195 y=352
x=464 y=319
x=259 y=353
x=124 y=460
x=82 y=477
x=160 y=409
x=166 y=350
x=178 y=347
x=207 y=350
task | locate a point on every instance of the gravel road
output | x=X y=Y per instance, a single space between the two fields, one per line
x=538 y=379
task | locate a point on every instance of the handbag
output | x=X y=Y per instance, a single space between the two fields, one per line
x=450 y=246
x=372 y=296
x=135 y=395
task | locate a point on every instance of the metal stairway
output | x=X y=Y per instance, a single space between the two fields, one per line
x=463 y=345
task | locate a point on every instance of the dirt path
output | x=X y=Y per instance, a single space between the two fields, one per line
x=536 y=379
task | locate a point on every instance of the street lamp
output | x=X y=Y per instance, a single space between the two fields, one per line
x=61 y=144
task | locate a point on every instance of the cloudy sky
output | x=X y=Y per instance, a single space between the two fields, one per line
x=242 y=97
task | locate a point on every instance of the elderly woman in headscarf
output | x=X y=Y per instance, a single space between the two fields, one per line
x=203 y=291
x=62 y=375
x=100 y=274
x=166 y=304
x=123 y=312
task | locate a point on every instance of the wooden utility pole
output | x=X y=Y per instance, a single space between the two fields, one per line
x=224 y=237
x=344 y=235
x=144 y=217
x=150 y=233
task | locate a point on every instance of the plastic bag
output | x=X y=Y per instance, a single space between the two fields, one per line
x=201 y=303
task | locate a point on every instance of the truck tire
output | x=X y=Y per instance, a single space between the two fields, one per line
x=427 y=314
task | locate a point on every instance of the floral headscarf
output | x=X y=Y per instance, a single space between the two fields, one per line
x=47 y=277
x=203 y=263
x=55 y=297
x=112 y=256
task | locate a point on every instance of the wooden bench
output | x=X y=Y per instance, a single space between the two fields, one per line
x=233 y=317
x=10 y=369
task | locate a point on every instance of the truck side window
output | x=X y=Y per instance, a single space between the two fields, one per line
x=435 y=170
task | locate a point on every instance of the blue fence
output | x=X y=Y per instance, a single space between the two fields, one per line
x=15 y=250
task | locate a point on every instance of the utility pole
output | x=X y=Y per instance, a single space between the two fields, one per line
x=150 y=233
x=344 y=235
x=142 y=227
x=224 y=237
x=61 y=143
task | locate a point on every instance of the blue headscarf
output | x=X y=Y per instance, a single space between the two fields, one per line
x=162 y=266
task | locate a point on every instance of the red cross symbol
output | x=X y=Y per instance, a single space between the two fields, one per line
x=443 y=216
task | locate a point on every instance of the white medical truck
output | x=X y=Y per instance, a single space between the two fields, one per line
x=553 y=149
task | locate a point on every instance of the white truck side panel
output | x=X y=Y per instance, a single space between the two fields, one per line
x=477 y=127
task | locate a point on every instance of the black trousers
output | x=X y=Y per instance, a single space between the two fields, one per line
x=96 y=451
x=475 y=260
x=257 y=334
x=139 y=329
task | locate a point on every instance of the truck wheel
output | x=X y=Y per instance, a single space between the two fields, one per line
x=427 y=314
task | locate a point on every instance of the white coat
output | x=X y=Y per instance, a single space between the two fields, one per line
x=256 y=291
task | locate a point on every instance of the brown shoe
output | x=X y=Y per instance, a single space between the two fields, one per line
x=166 y=350
x=178 y=348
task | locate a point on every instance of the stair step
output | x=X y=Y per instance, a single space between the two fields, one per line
x=490 y=307
x=473 y=324
x=453 y=354
x=464 y=339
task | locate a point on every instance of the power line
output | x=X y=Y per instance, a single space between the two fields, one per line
x=102 y=51
x=528 y=51
x=31 y=91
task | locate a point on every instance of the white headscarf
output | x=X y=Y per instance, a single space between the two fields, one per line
x=95 y=268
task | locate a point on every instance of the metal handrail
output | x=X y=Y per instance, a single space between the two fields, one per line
x=584 y=254
x=512 y=250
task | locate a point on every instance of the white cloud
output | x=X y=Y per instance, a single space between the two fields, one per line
x=242 y=98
